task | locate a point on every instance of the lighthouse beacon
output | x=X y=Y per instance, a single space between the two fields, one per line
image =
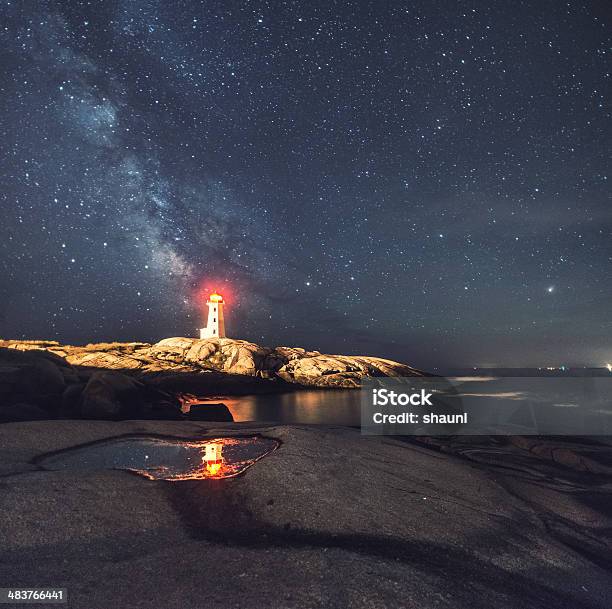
x=215 y=326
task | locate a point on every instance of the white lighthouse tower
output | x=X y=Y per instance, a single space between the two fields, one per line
x=215 y=326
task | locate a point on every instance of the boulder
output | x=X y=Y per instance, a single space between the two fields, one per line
x=340 y=370
x=209 y=412
x=211 y=383
x=183 y=355
x=171 y=349
x=222 y=354
x=158 y=404
x=110 y=395
x=293 y=365
x=71 y=401
x=51 y=346
x=22 y=412
x=114 y=395
x=31 y=376
x=114 y=356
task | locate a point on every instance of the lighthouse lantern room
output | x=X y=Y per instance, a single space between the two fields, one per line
x=215 y=326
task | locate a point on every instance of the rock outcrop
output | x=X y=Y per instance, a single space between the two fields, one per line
x=332 y=519
x=142 y=380
x=109 y=394
x=294 y=365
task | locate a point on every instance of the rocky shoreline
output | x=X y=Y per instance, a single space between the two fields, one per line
x=330 y=519
x=45 y=379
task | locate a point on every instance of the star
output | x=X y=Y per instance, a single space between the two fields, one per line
x=292 y=156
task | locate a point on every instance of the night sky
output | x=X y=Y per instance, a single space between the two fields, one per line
x=425 y=181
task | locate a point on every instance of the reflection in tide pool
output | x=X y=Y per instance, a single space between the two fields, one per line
x=164 y=459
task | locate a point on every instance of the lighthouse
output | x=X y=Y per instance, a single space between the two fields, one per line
x=215 y=326
x=213 y=457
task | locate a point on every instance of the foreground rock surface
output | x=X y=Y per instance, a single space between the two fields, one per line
x=330 y=519
x=140 y=380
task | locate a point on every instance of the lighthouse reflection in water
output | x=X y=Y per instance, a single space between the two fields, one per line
x=213 y=458
x=216 y=459
x=166 y=458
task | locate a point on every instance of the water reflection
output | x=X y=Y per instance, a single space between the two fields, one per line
x=213 y=458
x=321 y=407
x=565 y=406
x=163 y=459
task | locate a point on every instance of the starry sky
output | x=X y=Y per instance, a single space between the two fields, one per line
x=423 y=181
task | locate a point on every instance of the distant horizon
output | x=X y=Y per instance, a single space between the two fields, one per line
x=447 y=367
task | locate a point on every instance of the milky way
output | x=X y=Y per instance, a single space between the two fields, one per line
x=426 y=181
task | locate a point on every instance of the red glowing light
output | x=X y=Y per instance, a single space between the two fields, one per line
x=207 y=288
x=213 y=469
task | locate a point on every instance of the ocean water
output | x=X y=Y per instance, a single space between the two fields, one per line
x=321 y=407
x=531 y=405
